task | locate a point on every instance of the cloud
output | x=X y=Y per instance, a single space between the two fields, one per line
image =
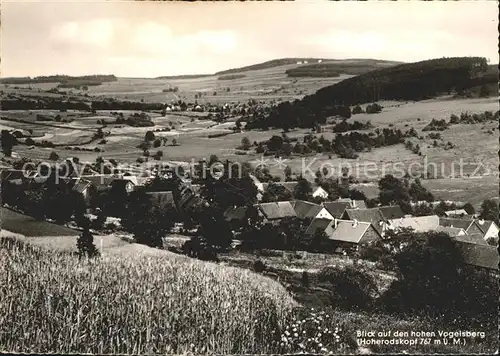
x=98 y=32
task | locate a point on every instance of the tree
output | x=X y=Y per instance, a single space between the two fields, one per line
x=419 y=193
x=393 y=190
x=53 y=156
x=276 y=192
x=489 y=210
x=288 y=173
x=8 y=141
x=148 y=223
x=245 y=143
x=469 y=208
x=149 y=136
x=157 y=143
x=303 y=189
x=174 y=142
x=484 y=91
x=158 y=155
x=85 y=245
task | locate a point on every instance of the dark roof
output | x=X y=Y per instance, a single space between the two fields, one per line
x=472 y=238
x=100 y=180
x=306 y=209
x=277 y=210
x=349 y=231
x=452 y=231
x=484 y=256
x=325 y=225
x=373 y=216
x=484 y=227
x=391 y=212
x=452 y=222
x=336 y=208
x=359 y=204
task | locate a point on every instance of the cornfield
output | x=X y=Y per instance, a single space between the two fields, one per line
x=51 y=302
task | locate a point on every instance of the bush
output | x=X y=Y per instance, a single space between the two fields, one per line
x=351 y=288
x=53 y=156
x=373 y=108
x=259 y=266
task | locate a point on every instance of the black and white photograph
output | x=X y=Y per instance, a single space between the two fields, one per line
x=249 y=177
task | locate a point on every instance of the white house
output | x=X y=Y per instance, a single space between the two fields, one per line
x=324 y=214
x=488 y=227
x=320 y=192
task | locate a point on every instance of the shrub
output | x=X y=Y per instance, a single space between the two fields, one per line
x=259 y=266
x=53 y=156
x=351 y=288
x=373 y=108
x=85 y=245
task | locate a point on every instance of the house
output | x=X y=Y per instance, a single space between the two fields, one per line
x=354 y=204
x=488 y=228
x=84 y=187
x=473 y=239
x=372 y=216
x=276 y=211
x=456 y=213
x=352 y=233
x=480 y=256
x=308 y=210
x=417 y=223
x=102 y=182
x=319 y=224
x=336 y=208
x=163 y=200
x=319 y=193
x=391 y=212
x=452 y=231
x=469 y=225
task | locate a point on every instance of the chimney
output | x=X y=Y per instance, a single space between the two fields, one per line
x=481 y=221
x=355 y=223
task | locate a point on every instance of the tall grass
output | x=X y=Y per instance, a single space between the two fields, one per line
x=50 y=302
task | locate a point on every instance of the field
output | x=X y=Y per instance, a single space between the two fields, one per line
x=54 y=303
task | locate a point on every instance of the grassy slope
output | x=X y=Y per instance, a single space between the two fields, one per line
x=140 y=303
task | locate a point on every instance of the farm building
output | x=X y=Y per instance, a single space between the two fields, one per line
x=372 y=216
x=100 y=181
x=456 y=213
x=489 y=228
x=468 y=225
x=336 y=208
x=391 y=212
x=417 y=223
x=126 y=185
x=163 y=200
x=349 y=234
x=319 y=224
x=354 y=204
x=480 y=256
x=452 y=231
x=276 y=211
x=320 y=193
x=305 y=209
x=473 y=239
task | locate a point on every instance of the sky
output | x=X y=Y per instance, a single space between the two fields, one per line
x=149 y=39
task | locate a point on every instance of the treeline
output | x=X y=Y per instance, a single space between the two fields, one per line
x=231 y=77
x=314 y=70
x=412 y=81
x=62 y=104
x=60 y=79
x=290 y=115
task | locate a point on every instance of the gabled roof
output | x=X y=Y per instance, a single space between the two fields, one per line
x=336 y=208
x=373 y=216
x=289 y=185
x=472 y=238
x=325 y=225
x=460 y=223
x=417 y=223
x=391 y=212
x=484 y=225
x=359 y=204
x=349 y=231
x=81 y=185
x=276 y=210
x=305 y=209
x=452 y=231
x=484 y=256
x=100 y=180
x=456 y=212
